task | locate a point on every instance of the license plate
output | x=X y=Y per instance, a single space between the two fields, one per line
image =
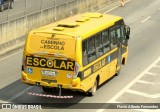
x=49 y=73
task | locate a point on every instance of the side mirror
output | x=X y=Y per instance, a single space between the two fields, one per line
x=127 y=28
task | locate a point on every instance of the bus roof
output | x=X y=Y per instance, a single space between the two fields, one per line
x=83 y=25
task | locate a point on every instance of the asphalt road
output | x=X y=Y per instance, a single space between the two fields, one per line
x=137 y=83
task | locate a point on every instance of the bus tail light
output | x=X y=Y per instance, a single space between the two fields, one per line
x=76 y=70
x=23 y=78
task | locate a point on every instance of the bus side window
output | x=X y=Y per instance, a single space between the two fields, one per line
x=98 y=42
x=113 y=36
x=120 y=28
x=123 y=33
x=91 y=49
x=106 y=41
x=119 y=33
x=84 y=52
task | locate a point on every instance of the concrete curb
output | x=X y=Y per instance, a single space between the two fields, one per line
x=7 y=50
x=12 y=45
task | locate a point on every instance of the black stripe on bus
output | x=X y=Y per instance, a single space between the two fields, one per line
x=108 y=59
x=114 y=55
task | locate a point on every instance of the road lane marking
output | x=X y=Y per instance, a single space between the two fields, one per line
x=115 y=7
x=146 y=82
x=111 y=9
x=146 y=19
x=155 y=96
x=156 y=66
x=122 y=91
x=150 y=73
x=19 y=94
x=133 y=81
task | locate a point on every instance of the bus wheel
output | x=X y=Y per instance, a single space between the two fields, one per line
x=93 y=89
x=118 y=72
x=46 y=89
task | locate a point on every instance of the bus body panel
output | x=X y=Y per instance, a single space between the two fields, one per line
x=88 y=50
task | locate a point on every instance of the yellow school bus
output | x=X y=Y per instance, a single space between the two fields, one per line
x=78 y=53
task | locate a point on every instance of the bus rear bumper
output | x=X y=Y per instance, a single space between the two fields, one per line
x=74 y=85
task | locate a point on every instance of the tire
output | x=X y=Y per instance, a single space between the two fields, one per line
x=46 y=89
x=93 y=89
x=1 y=8
x=11 y=4
x=118 y=72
